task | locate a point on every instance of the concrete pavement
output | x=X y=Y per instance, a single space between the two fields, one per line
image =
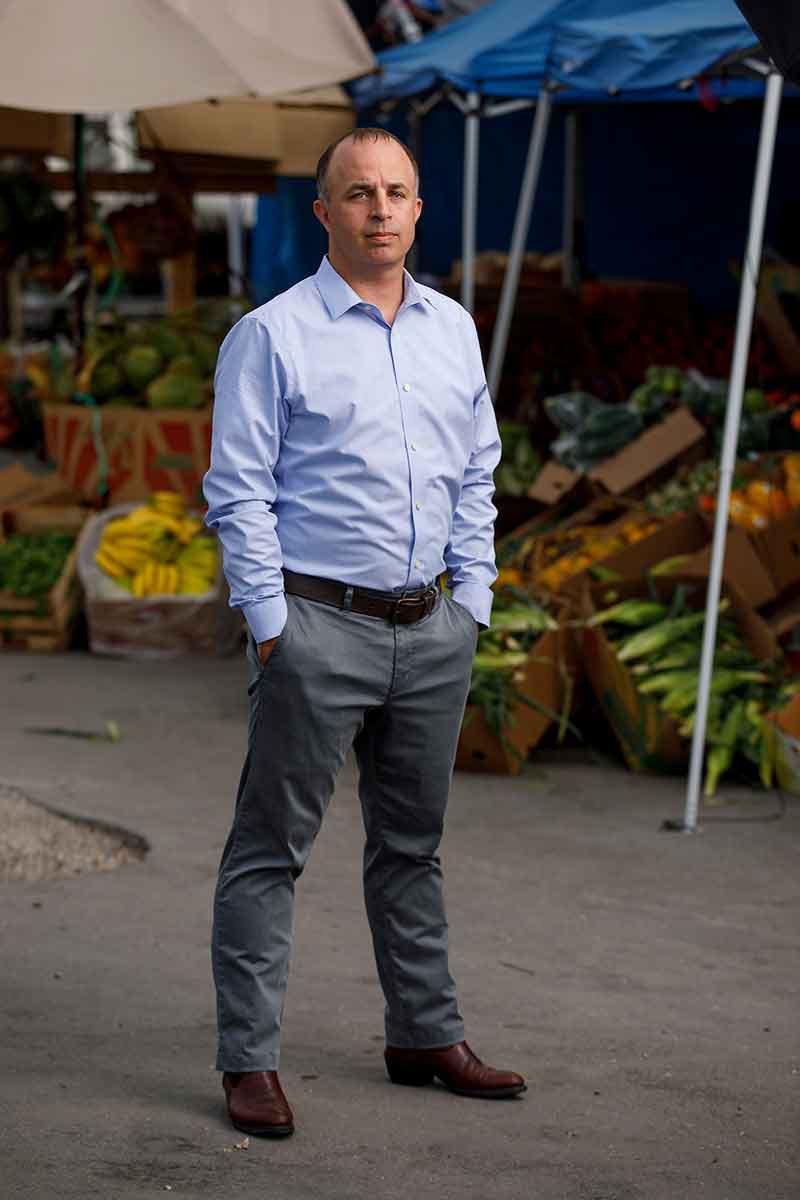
x=646 y=983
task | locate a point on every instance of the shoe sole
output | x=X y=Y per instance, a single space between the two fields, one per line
x=273 y=1131
x=473 y=1093
x=497 y=1094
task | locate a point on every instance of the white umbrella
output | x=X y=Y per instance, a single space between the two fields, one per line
x=78 y=56
x=106 y=55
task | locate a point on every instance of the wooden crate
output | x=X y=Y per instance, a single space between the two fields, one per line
x=45 y=623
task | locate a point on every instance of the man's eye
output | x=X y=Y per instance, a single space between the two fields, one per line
x=398 y=193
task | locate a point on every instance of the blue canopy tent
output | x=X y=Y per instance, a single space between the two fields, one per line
x=510 y=49
x=583 y=51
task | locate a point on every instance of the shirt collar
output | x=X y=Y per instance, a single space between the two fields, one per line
x=339 y=297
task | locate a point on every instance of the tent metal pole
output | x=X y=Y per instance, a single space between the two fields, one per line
x=573 y=199
x=508 y=294
x=733 y=412
x=470 y=200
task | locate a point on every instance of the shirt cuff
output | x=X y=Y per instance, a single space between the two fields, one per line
x=266 y=618
x=477 y=599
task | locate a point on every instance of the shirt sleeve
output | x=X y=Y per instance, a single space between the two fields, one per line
x=469 y=555
x=249 y=421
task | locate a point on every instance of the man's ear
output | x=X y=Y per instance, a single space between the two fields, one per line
x=417 y=209
x=321 y=213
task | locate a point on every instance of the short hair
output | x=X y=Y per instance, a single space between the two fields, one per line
x=364 y=134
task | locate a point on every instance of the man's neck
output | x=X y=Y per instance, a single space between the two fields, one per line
x=384 y=289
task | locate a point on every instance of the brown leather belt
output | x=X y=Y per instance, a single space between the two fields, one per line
x=402 y=609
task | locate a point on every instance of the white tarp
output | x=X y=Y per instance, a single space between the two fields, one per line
x=106 y=55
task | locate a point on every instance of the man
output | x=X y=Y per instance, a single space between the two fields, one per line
x=352 y=457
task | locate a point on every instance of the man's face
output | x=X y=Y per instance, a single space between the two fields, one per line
x=372 y=205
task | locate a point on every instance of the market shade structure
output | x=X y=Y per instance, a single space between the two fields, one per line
x=453 y=54
x=516 y=48
x=108 y=55
x=511 y=48
x=111 y=55
x=291 y=130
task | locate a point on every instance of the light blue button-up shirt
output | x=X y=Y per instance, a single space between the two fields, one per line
x=351 y=449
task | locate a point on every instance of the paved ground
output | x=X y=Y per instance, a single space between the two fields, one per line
x=646 y=983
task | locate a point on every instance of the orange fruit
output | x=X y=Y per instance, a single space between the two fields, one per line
x=737 y=507
x=758 y=493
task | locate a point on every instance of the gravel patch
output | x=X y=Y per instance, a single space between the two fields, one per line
x=37 y=843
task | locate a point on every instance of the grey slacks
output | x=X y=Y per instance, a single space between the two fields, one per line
x=396 y=693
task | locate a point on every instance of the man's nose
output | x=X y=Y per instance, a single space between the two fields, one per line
x=380 y=204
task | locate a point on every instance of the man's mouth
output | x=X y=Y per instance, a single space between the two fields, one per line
x=381 y=236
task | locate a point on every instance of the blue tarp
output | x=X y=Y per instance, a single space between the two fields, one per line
x=641 y=48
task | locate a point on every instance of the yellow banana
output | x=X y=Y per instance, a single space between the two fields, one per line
x=169 y=502
x=111 y=567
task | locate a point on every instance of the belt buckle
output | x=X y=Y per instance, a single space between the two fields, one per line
x=398 y=604
x=430 y=597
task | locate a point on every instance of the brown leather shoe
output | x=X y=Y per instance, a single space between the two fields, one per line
x=458 y=1069
x=256 y=1103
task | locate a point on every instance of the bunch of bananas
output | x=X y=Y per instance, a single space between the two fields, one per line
x=158 y=549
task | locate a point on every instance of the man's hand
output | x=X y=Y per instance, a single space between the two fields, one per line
x=265 y=649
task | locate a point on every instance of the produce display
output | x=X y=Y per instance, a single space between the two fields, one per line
x=519 y=464
x=161 y=364
x=499 y=667
x=32 y=563
x=757 y=502
x=661 y=645
x=549 y=561
x=591 y=430
x=690 y=487
x=159 y=549
x=166 y=362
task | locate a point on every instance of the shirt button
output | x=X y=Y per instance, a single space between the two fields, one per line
x=413 y=445
x=406 y=387
x=418 y=562
x=418 y=505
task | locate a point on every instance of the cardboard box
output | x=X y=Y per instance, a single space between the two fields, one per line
x=787 y=747
x=649 y=738
x=688 y=533
x=554 y=482
x=778 y=292
x=140 y=450
x=778 y=547
x=549 y=679
x=658 y=451
x=654 y=455
x=784 y=615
